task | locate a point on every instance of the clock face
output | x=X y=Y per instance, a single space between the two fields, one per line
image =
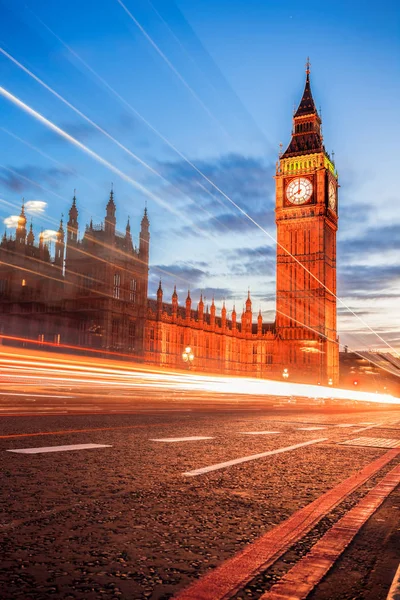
x=332 y=196
x=299 y=190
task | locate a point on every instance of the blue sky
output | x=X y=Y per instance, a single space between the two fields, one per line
x=221 y=89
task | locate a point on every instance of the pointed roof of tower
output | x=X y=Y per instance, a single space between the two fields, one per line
x=73 y=211
x=306 y=135
x=145 y=218
x=174 y=295
x=31 y=236
x=307 y=105
x=111 y=202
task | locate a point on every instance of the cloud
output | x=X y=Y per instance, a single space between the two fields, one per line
x=179 y=273
x=19 y=179
x=49 y=235
x=248 y=181
x=368 y=281
x=252 y=261
x=11 y=221
x=212 y=292
x=34 y=207
x=373 y=240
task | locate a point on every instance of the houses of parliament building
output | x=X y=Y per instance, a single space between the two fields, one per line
x=93 y=293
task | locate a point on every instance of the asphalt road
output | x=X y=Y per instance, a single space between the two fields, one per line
x=123 y=521
x=145 y=513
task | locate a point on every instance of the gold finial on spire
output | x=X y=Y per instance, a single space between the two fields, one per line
x=280 y=149
x=308 y=65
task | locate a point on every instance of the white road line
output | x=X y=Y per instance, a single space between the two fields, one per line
x=59 y=448
x=258 y=432
x=182 y=439
x=365 y=428
x=238 y=461
x=349 y=425
x=309 y=428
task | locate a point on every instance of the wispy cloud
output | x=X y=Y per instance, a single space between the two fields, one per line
x=49 y=235
x=248 y=181
x=34 y=207
x=19 y=179
x=11 y=221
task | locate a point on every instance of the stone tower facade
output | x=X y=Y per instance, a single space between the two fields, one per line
x=307 y=219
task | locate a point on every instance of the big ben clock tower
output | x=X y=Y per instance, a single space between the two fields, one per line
x=306 y=217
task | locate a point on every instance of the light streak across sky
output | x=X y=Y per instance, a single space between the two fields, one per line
x=255 y=86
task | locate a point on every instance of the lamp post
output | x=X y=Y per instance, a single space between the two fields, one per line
x=188 y=356
x=285 y=374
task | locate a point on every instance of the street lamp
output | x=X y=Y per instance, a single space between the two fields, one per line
x=330 y=382
x=188 y=356
x=285 y=374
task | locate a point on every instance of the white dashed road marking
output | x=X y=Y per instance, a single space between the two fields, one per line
x=258 y=432
x=59 y=448
x=182 y=439
x=309 y=428
x=238 y=461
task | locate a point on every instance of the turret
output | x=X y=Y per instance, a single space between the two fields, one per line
x=259 y=323
x=201 y=309
x=243 y=321
x=144 y=242
x=20 y=234
x=223 y=316
x=128 y=237
x=30 y=238
x=110 y=221
x=72 y=225
x=212 y=314
x=59 y=255
x=159 y=300
x=249 y=314
x=174 y=303
x=234 y=319
x=188 y=306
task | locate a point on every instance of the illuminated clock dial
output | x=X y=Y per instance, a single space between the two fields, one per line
x=299 y=190
x=332 y=196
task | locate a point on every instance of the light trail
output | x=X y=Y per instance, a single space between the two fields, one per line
x=116 y=142
x=186 y=159
x=74 y=372
x=49 y=124
x=173 y=69
x=145 y=190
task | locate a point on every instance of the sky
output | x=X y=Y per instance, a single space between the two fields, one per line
x=180 y=101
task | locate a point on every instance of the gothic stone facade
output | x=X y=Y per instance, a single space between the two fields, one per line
x=94 y=292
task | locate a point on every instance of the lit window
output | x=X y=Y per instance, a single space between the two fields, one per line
x=132 y=290
x=117 y=285
x=23 y=282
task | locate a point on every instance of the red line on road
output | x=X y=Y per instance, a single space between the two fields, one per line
x=234 y=573
x=18 y=435
x=308 y=572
